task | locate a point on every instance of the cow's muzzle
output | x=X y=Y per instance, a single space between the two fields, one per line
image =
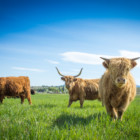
x=120 y=82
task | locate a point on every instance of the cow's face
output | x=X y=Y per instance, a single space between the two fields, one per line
x=119 y=69
x=69 y=81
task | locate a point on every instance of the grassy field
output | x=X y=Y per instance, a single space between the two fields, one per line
x=49 y=118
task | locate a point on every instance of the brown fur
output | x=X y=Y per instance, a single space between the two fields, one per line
x=81 y=89
x=115 y=96
x=15 y=86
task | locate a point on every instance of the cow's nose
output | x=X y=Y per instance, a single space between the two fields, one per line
x=121 y=80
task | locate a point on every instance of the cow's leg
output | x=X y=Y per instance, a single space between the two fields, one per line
x=111 y=111
x=115 y=114
x=22 y=99
x=122 y=108
x=1 y=98
x=29 y=99
x=81 y=102
x=28 y=95
x=70 y=102
x=120 y=114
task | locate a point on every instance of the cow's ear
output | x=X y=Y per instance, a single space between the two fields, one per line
x=63 y=78
x=105 y=64
x=75 y=79
x=133 y=64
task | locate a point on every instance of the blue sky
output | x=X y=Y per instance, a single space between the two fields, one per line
x=36 y=36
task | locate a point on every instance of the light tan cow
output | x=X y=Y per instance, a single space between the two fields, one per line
x=117 y=87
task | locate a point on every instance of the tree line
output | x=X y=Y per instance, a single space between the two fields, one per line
x=57 y=89
x=50 y=89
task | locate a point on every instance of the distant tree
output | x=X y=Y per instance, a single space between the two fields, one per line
x=59 y=89
x=41 y=90
x=63 y=89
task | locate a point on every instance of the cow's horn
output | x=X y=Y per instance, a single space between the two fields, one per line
x=79 y=73
x=59 y=72
x=104 y=58
x=135 y=58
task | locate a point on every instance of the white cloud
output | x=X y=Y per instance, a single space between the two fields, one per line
x=27 y=69
x=94 y=59
x=129 y=54
x=53 y=62
x=83 y=58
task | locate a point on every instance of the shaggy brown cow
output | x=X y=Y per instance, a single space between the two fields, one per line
x=117 y=87
x=15 y=86
x=80 y=89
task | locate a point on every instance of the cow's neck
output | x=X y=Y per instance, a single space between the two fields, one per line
x=117 y=91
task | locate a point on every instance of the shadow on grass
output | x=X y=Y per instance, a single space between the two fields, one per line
x=43 y=106
x=66 y=120
x=87 y=106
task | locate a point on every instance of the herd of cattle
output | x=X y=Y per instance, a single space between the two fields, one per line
x=115 y=89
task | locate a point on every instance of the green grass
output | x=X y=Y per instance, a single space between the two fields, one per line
x=49 y=118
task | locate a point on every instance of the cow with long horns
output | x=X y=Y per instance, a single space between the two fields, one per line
x=117 y=87
x=80 y=89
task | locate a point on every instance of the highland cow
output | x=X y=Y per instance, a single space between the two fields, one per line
x=15 y=86
x=80 y=89
x=117 y=87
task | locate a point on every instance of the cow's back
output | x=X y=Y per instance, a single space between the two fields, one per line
x=16 y=85
x=91 y=89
